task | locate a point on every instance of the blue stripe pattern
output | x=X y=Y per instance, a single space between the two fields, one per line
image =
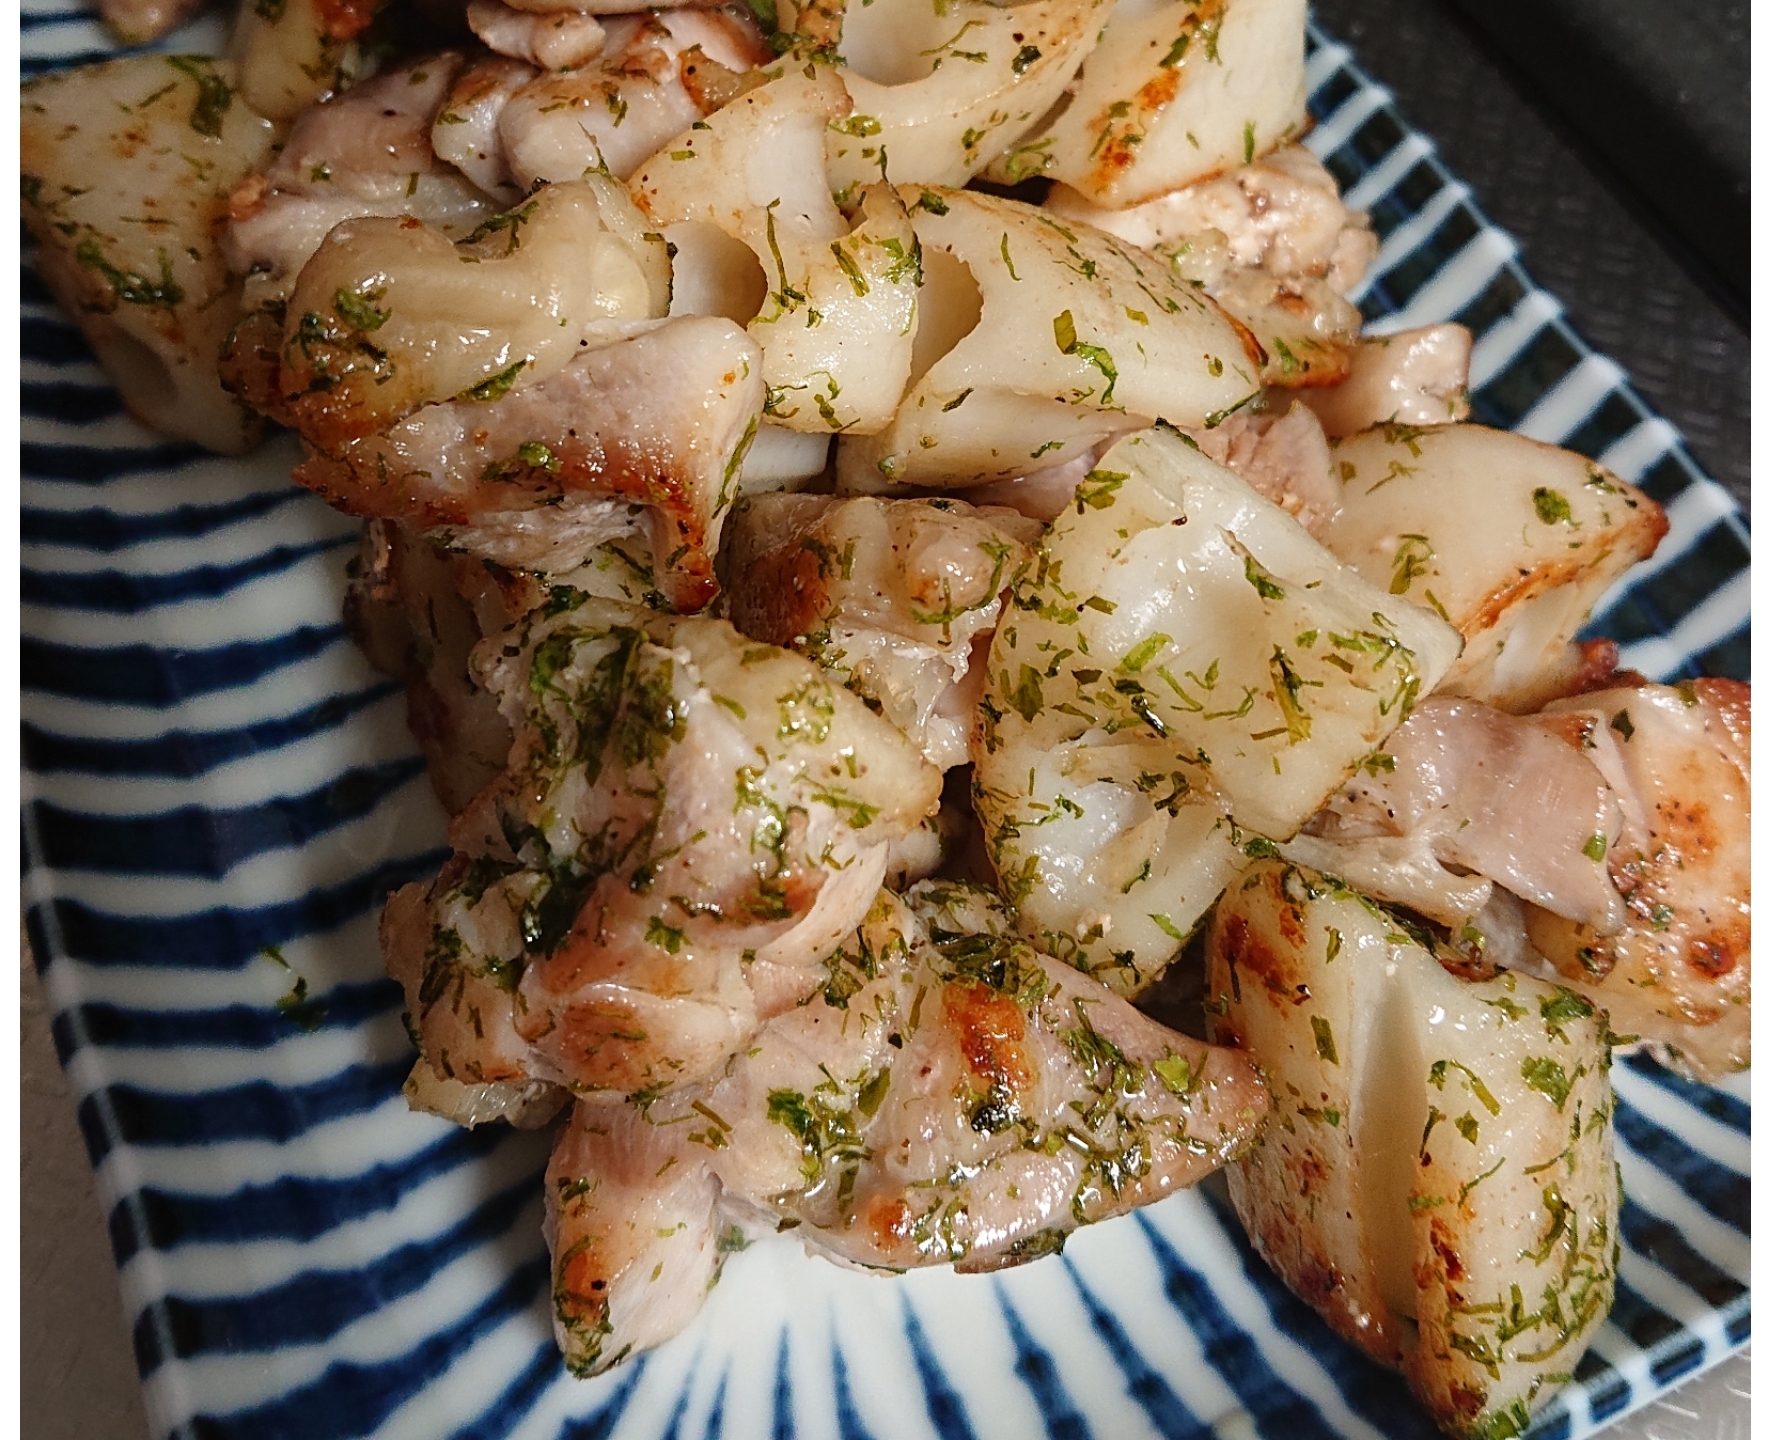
x=348 y=1395
x=75 y=404
x=296 y=1208
x=1715 y=1104
x=314 y=1305
x=942 y=1403
x=1278 y=1409
x=185 y=754
x=675 y=1425
x=107 y=532
x=143 y=676
x=48 y=342
x=95 y=465
x=1148 y=1388
x=1371 y=1390
x=518 y=1399
x=782 y=1395
x=1036 y=1368
x=219 y=939
x=124 y=593
x=851 y=1426
x=1723 y=1193
x=195 y=841
x=259 y=1110
x=120 y=525
x=242 y=1027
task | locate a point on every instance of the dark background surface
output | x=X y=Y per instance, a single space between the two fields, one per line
x=1594 y=219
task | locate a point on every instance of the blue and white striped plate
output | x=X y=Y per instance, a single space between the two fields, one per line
x=216 y=778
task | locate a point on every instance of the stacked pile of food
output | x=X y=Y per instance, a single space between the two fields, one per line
x=869 y=630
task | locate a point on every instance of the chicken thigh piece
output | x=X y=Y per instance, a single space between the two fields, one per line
x=1463 y=796
x=892 y=595
x=1604 y=842
x=1677 y=975
x=684 y=815
x=1273 y=243
x=367 y=151
x=1412 y=377
x=632 y=1226
x=417 y=610
x=546 y=477
x=946 y=1094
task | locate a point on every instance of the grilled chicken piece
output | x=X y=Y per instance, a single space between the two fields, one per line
x=552 y=40
x=1462 y=795
x=418 y=610
x=465 y=131
x=1678 y=975
x=413 y=610
x=1412 y=377
x=1023 y=1100
x=365 y=152
x=1283 y=457
x=388 y=315
x=632 y=1226
x=889 y=594
x=548 y=477
x=945 y=1095
x=1619 y=823
x=643 y=88
x=684 y=812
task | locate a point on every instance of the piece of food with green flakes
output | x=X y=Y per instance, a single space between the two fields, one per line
x=839 y=307
x=645 y=435
x=1183 y=676
x=364 y=151
x=1036 y=341
x=688 y=821
x=1411 y=377
x=1438 y=1179
x=1461 y=798
x=941 y=89
x=656 y=74
x=1510 y=540
x=550 y=40
x=522 y=1104
x=1275 y=246
x=946 y=1094
x=1173 y=92
x=389 y=315
x=1678 y=975
x=890 y=595
x=292 y=53
x=418 y=610
x=127 y=169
